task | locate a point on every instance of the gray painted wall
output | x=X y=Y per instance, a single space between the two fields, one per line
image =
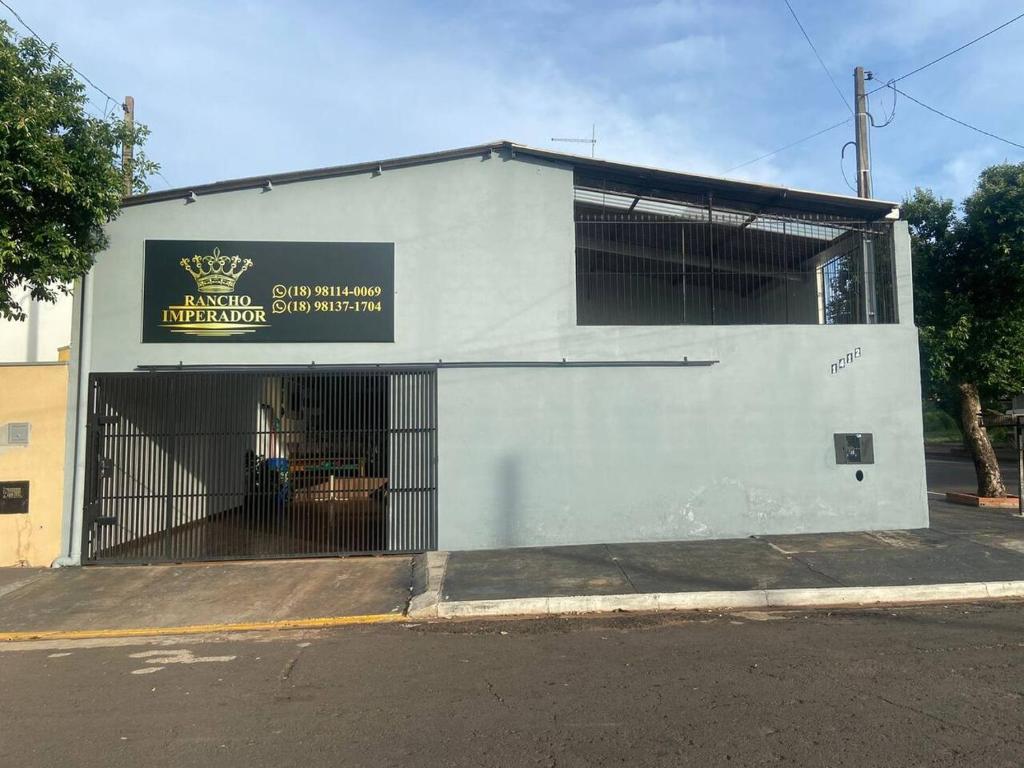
x=549 y=456
x=484 y=270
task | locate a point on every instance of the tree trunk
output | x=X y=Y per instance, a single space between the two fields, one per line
x=986 y=465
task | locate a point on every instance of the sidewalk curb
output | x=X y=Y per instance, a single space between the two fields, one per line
x=202 y=629
x=731 y=600
x=425 y=605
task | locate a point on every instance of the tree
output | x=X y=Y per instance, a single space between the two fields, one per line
x=969 y=304
x=60 y=179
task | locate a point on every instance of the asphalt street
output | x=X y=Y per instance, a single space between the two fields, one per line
x=955 y=473
x=931 y=686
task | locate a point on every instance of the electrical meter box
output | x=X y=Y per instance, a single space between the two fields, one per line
x=17 y=433
x=14 y=497
x=854 y=448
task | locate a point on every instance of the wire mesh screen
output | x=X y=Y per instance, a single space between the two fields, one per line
x=655 y=262
x=224 y=465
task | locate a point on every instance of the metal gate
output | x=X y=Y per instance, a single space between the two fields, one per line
x=214 y=465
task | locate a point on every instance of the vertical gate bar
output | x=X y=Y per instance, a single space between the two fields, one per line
x=418 y=437
x=143 y=485
x=409 y=511
x=198 y=465
x=194 y=465
x=348 y=508
x=381 y=524
x=432 y=459
x=401 y=472
x=213 y=450
x=377 y=515
x=218 y=445
x=168 y=468
x=155 y=467
x=264 y=472
x=227 y=467
x=186 y=440
x=89 y=528
x=221 y=449
x=123 y=507
x=90 y=470
x=424 y=460
x=376 y=518
x=365 y=534
x=417 y=458
x=359 y=379
x=307 y=540
x=391 y=525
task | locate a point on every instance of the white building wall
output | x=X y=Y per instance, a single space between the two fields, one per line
x=37 y=338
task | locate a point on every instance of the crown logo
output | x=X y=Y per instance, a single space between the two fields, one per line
x=216 y=273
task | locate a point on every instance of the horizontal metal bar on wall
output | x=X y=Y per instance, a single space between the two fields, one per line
x=684 y=363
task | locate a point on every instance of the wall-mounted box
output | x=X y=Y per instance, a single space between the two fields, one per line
x=854 y=448
x=17 y=433
x=13 y=497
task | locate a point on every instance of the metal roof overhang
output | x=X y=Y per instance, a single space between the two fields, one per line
x=634 y=179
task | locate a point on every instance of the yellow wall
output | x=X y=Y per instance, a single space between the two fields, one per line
x=36 y=394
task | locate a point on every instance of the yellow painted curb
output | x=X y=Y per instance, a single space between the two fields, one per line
x=201 y=629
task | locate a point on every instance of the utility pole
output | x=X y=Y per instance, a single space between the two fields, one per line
x=862 y=126
x=128 y=145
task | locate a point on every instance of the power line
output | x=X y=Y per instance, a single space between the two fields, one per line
x=842 y=167
x=889 y=84
x=789 y=146
x=947 y=55
x=955 y=120
x=53 y=50
x=818 y=56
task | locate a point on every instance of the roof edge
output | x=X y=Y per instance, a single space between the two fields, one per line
x=879 y=208
x=312 y=174
x=739 y=185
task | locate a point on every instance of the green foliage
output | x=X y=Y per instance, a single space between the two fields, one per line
x=939 y=426
x=969 y=287
x=60 y=179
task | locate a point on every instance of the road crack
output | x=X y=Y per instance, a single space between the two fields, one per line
x=497 y=696
x=621 y=569
x=950 y=723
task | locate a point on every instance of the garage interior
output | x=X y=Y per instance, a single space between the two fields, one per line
x=186 y=465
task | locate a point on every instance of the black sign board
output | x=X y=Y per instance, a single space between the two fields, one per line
x=13 y=497
x=238 y=291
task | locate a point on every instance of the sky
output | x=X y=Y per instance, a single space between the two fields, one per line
x=240 y=88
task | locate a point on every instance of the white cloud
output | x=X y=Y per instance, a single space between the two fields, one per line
x=245 y=87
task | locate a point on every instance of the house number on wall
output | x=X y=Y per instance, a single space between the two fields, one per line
x=842 y=362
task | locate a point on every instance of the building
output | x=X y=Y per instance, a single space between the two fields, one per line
x=495 y=346
x=33 y=411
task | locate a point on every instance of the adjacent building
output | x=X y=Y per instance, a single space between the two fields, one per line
x=33 y=410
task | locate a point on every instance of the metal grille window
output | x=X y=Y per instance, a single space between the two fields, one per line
x=241 y=464
x=652 y=261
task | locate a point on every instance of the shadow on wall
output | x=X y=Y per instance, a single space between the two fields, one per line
x=509 y=498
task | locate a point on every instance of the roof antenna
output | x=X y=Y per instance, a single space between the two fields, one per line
x=592 y=141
